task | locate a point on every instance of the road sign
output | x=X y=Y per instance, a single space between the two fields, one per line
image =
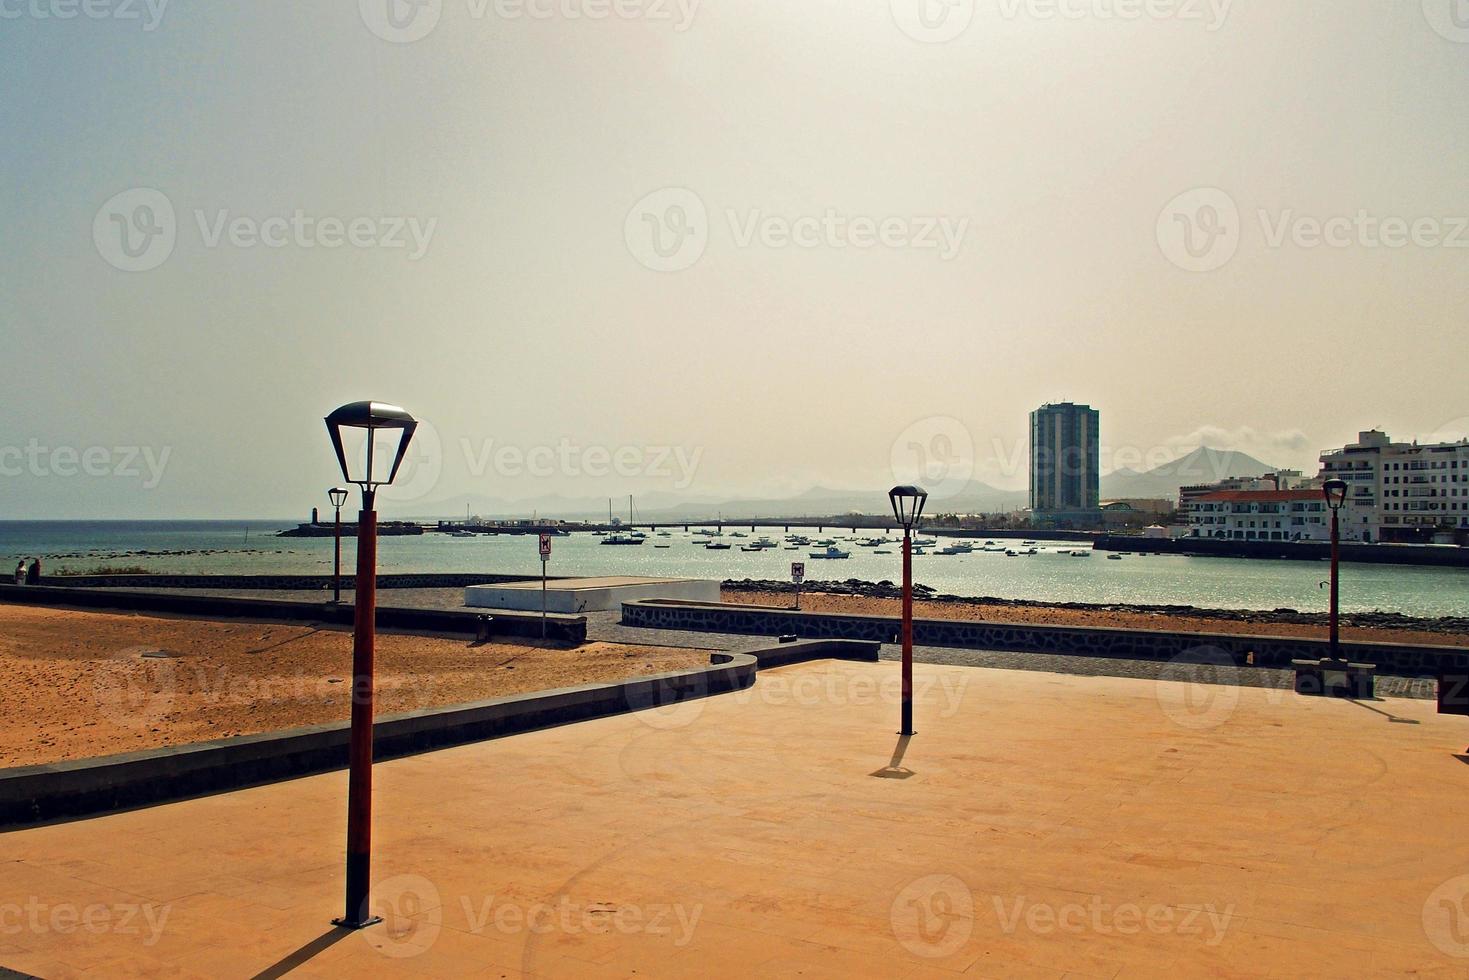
x=545 y=546
x=798 y=571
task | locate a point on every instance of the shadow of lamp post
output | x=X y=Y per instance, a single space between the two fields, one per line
x=379 y=435
x=338 y=497
x=907 y=508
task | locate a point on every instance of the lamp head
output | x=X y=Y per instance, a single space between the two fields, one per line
x=1335 y=492
x=370 y=439
x=907 y=504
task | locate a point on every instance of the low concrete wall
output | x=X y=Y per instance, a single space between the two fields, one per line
x=1351 y=551
x=571 y=629
x=68 y=790
x=1081 y=641
x=294 y=583
x=569 y=596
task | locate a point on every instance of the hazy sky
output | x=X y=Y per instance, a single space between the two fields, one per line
x=714 y=249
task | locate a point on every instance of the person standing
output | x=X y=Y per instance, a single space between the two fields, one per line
x=33 y=575
x=20 y=572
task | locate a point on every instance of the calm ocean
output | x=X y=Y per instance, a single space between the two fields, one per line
x=1051 y=576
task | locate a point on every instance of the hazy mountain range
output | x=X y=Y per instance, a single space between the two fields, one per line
x=1203 y=465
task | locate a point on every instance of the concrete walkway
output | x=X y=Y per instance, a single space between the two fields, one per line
x=1038 y=825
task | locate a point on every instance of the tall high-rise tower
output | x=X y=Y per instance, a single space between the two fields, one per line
x=1065 y=463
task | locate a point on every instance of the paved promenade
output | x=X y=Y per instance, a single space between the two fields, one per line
x=1037 y=826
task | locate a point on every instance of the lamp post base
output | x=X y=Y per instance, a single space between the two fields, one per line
x=345 y=923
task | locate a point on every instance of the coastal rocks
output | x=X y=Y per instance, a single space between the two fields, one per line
x=887 y=590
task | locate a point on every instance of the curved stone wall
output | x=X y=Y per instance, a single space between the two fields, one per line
x=1278 y=651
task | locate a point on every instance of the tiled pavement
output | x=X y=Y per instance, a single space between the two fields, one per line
x=1039 y=825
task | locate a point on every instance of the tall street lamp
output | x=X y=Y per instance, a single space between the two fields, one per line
x=907 y=508
x=338 y=497
x=379 y=435
x=1335 y=492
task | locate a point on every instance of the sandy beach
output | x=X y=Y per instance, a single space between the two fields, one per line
x=1064 y=616
x=83 y=684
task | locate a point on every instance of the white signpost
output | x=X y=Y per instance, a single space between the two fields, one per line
x=798 y=574
x=545 y=557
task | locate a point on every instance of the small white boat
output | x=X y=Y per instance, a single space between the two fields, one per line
x=832 y=551
x=1114 y=557
x=961 y=548
x=1081 y=554
x=718 y=546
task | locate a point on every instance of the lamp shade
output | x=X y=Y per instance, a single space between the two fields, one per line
x=908 y=504
x=370 y=439
x=1335 y=492
x=338 y=496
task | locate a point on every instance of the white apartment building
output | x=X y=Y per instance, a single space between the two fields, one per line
x=1401 y=491
x=1261 y=515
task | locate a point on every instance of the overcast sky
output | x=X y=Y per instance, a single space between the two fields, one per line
x=714 y=249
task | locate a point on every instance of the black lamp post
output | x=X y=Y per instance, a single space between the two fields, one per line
x=1335 y=492
x=338 y=497
x=381 y=434
x=907 y=508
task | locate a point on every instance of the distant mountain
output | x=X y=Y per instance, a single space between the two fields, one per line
x=1203 y=465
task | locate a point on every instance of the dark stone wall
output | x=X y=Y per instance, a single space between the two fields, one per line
x=1268 y=651
x=429 y=580
x=498 y=622
x=1371 y=554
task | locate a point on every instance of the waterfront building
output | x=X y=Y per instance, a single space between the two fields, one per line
x=1065 y=465
x=1261 y=515
x=1279 y=480
x=1402 y=491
